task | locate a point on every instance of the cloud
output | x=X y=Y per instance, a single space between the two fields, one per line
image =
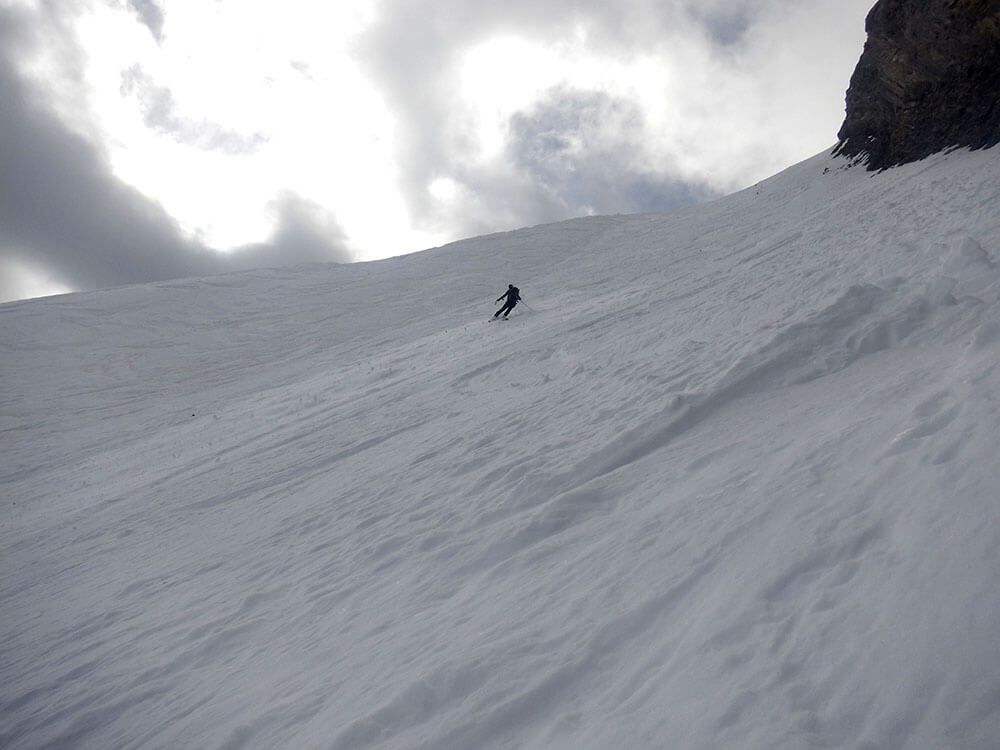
x=413 y=51
x=571 y=153
x=586 y=148
x=726 y=23
x=423 y=121
x=304 y=232
x=151 y=16
x=159 y=112
x=65 y=214
x=420 y=76
x=714 y=101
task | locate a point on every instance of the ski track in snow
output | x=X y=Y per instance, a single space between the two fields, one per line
x=732 y=484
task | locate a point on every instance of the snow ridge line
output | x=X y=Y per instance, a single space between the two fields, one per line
x=828 y=341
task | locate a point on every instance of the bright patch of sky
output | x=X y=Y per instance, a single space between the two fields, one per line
x=282 y=76
x=23 y=282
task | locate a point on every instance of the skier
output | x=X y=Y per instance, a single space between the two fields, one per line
x=513 y=297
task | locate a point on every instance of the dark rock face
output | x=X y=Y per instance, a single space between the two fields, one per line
x=929 y=78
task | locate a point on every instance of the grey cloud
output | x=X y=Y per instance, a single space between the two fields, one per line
x=573 y=153
x=151 y=16
x=415 y=48
x=412 y=51
x=305 y=232
x=301 y=68
x=726 y=26
x=499 y=198
x=584 y=147
x=160 y=113
x=62 y=211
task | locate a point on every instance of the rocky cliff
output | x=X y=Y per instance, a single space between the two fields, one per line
x=929 y=78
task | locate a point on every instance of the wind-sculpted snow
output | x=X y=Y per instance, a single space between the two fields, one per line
x=732 y=483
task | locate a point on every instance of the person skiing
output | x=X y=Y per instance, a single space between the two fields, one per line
x=513 y=295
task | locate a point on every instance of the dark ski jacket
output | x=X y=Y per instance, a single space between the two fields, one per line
x=513 y=295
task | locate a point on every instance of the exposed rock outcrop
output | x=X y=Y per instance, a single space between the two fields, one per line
x=928 y=79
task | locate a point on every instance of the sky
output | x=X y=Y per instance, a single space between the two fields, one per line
x=143 y=140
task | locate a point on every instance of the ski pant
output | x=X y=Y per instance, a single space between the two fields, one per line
x=505 y=309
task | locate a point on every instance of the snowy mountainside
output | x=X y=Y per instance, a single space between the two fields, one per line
x=731 y=483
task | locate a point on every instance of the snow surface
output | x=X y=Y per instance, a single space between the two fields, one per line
x=732 y=484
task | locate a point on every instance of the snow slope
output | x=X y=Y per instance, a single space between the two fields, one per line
x=732 y=484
